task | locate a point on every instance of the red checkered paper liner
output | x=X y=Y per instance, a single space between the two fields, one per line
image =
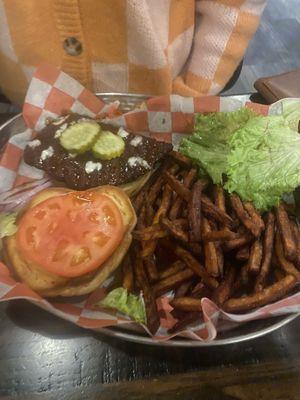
x=167 y=118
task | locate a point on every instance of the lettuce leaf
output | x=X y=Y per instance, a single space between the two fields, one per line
x=264 y=161
x=258 y=156
x=126 y=303
x=208 y=146
x=8 y=225
x=291 y=113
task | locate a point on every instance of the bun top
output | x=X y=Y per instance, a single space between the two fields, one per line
x=93 y=265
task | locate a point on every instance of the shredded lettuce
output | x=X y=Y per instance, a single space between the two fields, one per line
x=209 y=147
x=8 y=225
x=126 y=303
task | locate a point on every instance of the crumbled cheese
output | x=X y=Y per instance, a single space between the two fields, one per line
x=90 y=166
x=34 y=143
x=136 y=141
x=135 y=161
x=59 y=131
x=60 y=120
x=122 y=133
x=72 y=155
x=47 y=153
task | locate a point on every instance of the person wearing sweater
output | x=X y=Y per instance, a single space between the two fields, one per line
x=154 y=47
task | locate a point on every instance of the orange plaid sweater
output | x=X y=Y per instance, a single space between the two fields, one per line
x=143 y=46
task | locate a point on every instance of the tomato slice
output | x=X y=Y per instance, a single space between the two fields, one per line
x=71 y=234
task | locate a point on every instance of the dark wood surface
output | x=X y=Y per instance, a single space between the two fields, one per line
x=42 y=356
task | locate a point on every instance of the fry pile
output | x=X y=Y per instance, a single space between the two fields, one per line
x=196 y=241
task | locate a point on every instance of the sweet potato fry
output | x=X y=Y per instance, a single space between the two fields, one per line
x=279 y=274
x=194 y=248
x=174 y=230
x=220 y=236
x=127 y=273
x=180 y=159
x=152 y=181
x=195 y=266
x=220 y=257
x=284 y=264
x=199 y=291
x=165 y=204
x=172 y=269
x=210 y=251
x=265 y=296
x=268 y=245
x=149 y=300
x=187 y=182
x=254 y=263
x=176 y=208
x=149 y=246
x=225 y=289
x=254 y=214
x=139 y=201
x=189 y=319
x=243 y=216
x=194 y=212
x=152 y=315
x=212 y=211
x=219 y=197
x=242 y=279
x=138 y=268
x=151 y=268
x=141 y=220
x=296 y=234
x=287 y=238
x=290 y=208
x=172 y=281
x=243 y=254
x=184 y=288
x=149 y=214
x=150 y=233
x=186 y=304
x=274 y=260
x=155 y=190
x=237 y=243
x=220 y=202
x=181 y=222
x=177 y=186
x=218 y=246
x=244 y=275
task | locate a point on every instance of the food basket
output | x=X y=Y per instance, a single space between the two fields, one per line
x=241 y=332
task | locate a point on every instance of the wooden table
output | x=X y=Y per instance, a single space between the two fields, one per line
x=44 y=357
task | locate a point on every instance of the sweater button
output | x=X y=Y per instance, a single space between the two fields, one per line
x=72 y=46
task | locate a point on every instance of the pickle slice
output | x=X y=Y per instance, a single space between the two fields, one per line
x=80 y=137
x=108 y=146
